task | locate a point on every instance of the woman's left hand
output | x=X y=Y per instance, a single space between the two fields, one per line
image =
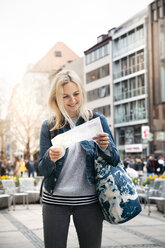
x=102 y=139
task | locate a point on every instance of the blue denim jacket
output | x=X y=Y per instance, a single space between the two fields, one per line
x=51 y=170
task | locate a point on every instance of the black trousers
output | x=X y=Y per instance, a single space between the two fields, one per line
x=88 y=221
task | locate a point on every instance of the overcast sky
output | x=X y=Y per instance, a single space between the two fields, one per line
x=30 y=28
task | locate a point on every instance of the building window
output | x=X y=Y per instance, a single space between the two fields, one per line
x=105 y=110
x=95 y=94
x=131 y=111
x=140 y=60
x=132 y=67
x=140 y=32
x=58 y=53
x=137 y=134
x=121 y=136
x=124 y=70
x=97 y=74
x=129 y=88
x=97 y=54
x=130 y=135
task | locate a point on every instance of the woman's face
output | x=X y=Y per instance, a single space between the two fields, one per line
x=71 y=98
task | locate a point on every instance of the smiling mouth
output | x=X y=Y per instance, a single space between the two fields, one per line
x=72 y=105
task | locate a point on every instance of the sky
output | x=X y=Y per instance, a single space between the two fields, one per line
x=30 y=28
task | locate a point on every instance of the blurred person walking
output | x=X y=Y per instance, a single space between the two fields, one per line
x=30 y=166
x=138 y=166
x=22 y=166
x=160 y=165
x=17 y=165
x=151 y=166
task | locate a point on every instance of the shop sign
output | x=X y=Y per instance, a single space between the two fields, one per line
x=145 y=131
x=133 y=148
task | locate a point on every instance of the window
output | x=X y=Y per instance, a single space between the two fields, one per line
x=140 y=60
x=97 y=54
x=58 y=53
x=124 y=40
x=124 y=89
x=131 y=36
x=132 y=64
x=124 y=67
x=140 y=85
x=122 y=136
x=140 y=32
x=95 y=94
x=106 y=49
x=132 y=84
x=105 y=110
x=130 y=135
x=137 y=134
x=97 y=74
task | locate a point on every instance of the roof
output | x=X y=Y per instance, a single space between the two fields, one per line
x=52 y=61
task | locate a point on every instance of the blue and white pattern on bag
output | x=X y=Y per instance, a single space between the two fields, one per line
x=116 y=192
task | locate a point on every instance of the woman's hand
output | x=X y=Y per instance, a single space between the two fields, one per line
x=55 y=153
x=102 y=140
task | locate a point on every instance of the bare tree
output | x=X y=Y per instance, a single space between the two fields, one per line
x=25 y=119
x=4 y=126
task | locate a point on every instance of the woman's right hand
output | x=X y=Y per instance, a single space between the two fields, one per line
x=55 y=153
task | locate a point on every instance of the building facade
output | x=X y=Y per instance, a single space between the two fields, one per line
x=130 y=82
x=156 y=68
x=98 y=77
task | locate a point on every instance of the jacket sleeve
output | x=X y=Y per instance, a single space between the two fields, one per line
x=114 y=157
x=45 y=166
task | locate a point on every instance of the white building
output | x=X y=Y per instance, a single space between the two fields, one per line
x=98 y=77
x=130 y=85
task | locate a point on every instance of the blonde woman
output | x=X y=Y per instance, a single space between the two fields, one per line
x=17 y=165
x=69 y=186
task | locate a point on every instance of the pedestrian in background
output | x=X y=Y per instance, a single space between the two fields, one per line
x=30 y=166
x=151 y=166
x=22 y=166
x=159 y=165
x=138 y=166
x=69 y=185
x=16 y=171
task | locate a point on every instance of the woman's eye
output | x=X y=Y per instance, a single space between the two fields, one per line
x=76 y=94
x=65 y=96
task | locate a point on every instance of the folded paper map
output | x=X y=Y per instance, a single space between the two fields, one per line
x=86 y=131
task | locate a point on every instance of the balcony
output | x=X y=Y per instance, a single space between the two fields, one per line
x=128 y=71
x=119 y=51
x=135 y=116
x=129 y=94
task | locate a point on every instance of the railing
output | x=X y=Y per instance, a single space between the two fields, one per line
x=130 y=94
x=140 y=115
x=129 y=71
x=120 y=51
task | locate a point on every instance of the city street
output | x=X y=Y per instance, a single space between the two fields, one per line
x=23 y=228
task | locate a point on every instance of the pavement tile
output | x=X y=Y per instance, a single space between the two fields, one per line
x=14 y=239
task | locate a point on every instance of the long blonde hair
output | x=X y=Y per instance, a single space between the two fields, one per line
x=55 y=100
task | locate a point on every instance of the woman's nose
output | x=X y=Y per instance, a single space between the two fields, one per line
x=72 y=99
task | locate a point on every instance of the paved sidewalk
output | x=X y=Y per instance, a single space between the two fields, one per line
x=22 y=228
